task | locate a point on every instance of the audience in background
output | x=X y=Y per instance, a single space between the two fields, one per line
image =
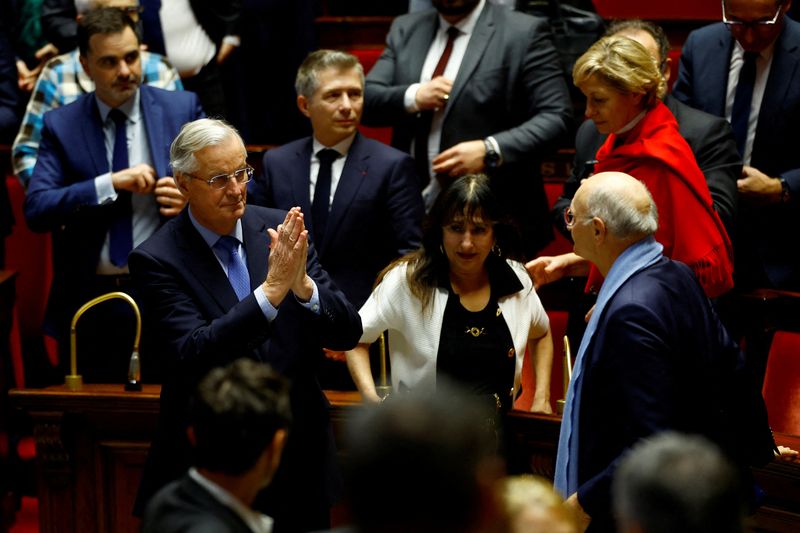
x=474 y=87
x=63 y=80
x=676 y=483
x=102 y=185
x=361 y=198
x=239 y=424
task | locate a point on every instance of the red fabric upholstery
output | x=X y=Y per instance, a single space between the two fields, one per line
x=368 y=57
x=782 y=383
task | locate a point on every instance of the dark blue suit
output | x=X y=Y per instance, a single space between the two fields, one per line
x=765 y=251
x=655 y=363
x=375 y=216
x=62 y=198
x=194 y=322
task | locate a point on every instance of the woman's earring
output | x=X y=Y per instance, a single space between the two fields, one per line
x=496 y=250
x=441 y=248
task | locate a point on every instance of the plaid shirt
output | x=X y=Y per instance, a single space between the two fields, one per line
x=61 y=82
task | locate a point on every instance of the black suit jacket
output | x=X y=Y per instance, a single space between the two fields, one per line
x=711 y=141
x=194 y=322
x=375 y=216
x=509 y=85
x=184 y=506
x=765 y=252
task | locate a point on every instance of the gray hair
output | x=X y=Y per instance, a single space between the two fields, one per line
x=617 y=207
x=307 y=82
x=193 y=137
x=676 y=482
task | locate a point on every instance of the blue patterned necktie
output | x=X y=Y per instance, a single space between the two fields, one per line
x=237 y=270
x=121 y=230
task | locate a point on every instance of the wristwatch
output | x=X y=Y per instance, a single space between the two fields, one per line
x=492 y=158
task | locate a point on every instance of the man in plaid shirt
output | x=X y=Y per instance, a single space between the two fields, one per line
x=62 y=81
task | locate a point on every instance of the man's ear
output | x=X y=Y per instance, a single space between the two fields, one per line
x=302 y=104
x=180 y=182
x=84 y=64
x=667 y=69
x=191 y=436
x=599 y=228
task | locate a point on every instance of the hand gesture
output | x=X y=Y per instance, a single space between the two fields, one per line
x=139 y=179
x=169 y=197
x=287 y=258
x=757 y=186
x=547 y=269
x=463 y=158
x=432 y=95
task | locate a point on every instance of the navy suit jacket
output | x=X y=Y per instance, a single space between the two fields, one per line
x=193 y=321
x=510 y=85
x=765 y=232
x=375 y=216
x=61 y=194
x=184 y=505
x=656 y=362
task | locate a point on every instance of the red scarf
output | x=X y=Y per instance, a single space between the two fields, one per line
x=690 y=230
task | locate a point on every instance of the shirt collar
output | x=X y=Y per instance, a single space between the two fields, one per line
x=502 y=279
x=258 y=522
x=211 y=237
x=632 y=124
x=342 y=146
x=766 y=53
x=465 y=25
x=130 y=108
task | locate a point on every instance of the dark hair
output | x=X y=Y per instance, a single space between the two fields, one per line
x=412 y=464
x=471 y=197
x=105 y=21
x=235 y=413
x=655 y=31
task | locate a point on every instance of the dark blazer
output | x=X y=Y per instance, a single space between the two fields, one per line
x=510 y=85
x=61 y=194
x=654 y=363
x=184 y=506
x=193 y=322
x=764 y=232
x=710 y=139
x=375 y=216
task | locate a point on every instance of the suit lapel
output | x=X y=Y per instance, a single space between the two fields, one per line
x=478 y=43
x=156 y=138
x=301 y=179
x=198 y=258
x=353 y=174
x=785 y=63
x=418 y=46
x=716 y=73
x=94 y=139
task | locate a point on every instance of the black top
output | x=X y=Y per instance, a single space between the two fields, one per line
x=476 y=349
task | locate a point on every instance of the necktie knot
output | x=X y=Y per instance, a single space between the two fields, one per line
x=453 y=32
x=327 y=156
x=118 y=117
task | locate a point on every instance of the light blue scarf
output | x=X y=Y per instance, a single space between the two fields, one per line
x=635 y=258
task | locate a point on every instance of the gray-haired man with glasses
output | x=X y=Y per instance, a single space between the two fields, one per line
x=225 y=280
x=746 y=69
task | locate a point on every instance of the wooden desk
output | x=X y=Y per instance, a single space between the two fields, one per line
x=91 y=447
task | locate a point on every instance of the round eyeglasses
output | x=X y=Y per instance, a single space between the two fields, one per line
x=240 y=176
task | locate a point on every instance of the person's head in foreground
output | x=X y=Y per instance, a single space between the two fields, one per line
x=677 y=483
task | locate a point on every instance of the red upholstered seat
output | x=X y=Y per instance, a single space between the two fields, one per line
x=782 y=383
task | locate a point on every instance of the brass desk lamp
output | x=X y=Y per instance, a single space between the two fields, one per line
x=73 y=380
x=567 y=374
x=383 y=388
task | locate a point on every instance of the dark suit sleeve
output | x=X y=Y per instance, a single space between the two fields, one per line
x=405 y=206
x=683 y=89
x=259 y=191
x=548 y=108
x=51 y=199
x=383 y=96
x=9 y=95
x=716 y=154
x=645 y=383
